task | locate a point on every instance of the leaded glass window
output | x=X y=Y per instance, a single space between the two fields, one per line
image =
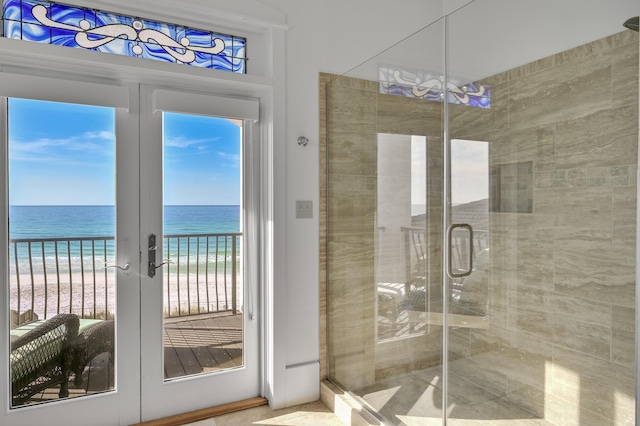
x=86 y=28
x=424 y=85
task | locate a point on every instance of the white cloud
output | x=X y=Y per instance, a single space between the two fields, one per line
x=182 y=142
x=235 y=158
x=45 y=150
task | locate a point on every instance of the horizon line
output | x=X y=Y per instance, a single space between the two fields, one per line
x=113 y=205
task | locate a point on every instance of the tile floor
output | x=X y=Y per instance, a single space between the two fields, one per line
x=311 y=414
x=317 y=414
x=416 y=400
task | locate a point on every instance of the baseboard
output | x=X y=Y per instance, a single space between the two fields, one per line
x=206 y=413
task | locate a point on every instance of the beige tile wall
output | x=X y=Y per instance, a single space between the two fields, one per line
x=561 y=341
x=563 y=278
x=356 y=114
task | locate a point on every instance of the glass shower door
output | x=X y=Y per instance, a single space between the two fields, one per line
x=481 y=243
x=385 y=231
x=544 y=170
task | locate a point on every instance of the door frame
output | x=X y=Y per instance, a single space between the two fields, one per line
x=267 y=85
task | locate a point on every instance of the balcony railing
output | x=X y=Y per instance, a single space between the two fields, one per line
x=59 y=275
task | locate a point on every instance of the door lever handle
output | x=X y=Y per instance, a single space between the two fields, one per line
x=125 y=268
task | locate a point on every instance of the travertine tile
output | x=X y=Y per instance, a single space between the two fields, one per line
x=604 y=138
x=582 y=214
x=586 y=54
x=624 y=72
x=623 y=339
x=466 y=122
x=569 y=91
x=405 y=116
x=624 y=216
x=592 y=383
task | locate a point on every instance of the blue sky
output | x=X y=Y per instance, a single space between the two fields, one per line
x=63 y=154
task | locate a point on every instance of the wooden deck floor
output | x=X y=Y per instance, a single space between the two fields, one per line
x=192 y=345
x=201 y=344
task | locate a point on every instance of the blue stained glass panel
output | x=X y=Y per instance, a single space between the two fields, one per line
x=166 y=29
x=26 y=10
x=69 y=15
x=64 y=38
x=198 y=38
x=37 y=33
x=12 y=29
x=118 y=47
x=90 y=16
x=12 y=10
x=239 y=65
x=105 y=18
x=157 y=52
x=106 y=32
x=421 y=85
x=238 y=47
x=222 y=62
x=228 y=45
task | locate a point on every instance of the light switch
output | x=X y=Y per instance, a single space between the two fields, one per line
x=304 y=209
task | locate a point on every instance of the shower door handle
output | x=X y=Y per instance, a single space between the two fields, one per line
x=450 y=271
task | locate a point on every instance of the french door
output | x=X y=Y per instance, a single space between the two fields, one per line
x=158 y=315
x=209 y=326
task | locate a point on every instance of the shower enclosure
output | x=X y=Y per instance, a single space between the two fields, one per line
x=481 y=224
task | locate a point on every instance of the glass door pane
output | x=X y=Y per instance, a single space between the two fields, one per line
x=384 y=235
x=202 y=245
x=61 y=245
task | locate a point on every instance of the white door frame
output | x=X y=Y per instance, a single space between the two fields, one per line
x=267 y=85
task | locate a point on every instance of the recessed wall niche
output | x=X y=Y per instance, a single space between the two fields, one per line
x=511 y=187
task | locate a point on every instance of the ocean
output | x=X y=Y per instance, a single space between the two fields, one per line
x=99 y=221
x=73 y=222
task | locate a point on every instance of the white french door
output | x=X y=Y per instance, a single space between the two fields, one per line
x=67 y=146
x=184 y=320
x=199 y=343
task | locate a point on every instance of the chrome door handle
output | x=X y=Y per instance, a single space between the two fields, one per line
x=125 y=268
x=450 y=272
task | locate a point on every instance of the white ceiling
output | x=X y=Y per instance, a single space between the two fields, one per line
x=490 y=36
x=486 y=37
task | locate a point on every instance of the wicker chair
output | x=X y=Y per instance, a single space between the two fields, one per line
x=43 y=357
x=91 y=342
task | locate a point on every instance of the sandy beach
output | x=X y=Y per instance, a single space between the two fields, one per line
x=95 y=294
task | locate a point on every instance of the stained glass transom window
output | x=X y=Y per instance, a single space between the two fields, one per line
x=417 y=84
x=86 y=28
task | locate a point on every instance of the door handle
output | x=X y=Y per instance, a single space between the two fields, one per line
x=152 y=250
x=124 y=268
x=450 y=271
